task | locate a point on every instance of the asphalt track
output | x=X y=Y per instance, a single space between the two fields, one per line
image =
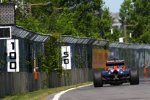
x=108 y=92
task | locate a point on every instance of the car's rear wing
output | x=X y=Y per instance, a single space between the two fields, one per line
x=115 y=62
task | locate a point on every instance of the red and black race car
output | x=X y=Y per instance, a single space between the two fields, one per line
x=115 y=73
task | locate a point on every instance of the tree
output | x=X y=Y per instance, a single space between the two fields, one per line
x=105 y=24
x=31 y=23
x=136 y=13
x=79 y=17
x=83 y=18
x=145 y=37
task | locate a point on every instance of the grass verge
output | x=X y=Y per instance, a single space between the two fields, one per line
x=40 y=94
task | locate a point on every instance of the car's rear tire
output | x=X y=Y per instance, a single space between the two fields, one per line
x=97 y=78
x=134 y=77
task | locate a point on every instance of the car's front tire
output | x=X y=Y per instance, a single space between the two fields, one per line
x=97 y=78
x=134 y=77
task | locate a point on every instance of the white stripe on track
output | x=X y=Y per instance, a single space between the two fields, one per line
x=57 y=96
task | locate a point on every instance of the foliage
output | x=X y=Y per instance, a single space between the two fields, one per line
x=116 y=34
x=145 y=37
x=106 y=24
x=84 y=18
x=65 y=23
x=52 y=56
x=41 y=94
x=136 y=13
x=80 y=17
x=41 y=63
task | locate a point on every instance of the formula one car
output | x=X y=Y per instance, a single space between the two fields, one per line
x=115 y=73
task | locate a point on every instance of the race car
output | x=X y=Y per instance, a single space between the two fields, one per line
x=115 y=73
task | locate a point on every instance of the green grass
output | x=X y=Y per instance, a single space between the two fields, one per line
x=40 y=94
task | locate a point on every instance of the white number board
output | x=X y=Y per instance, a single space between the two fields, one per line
x=66 y=57
x=12 y=55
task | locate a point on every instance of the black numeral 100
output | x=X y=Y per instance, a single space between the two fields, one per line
x=12 y=56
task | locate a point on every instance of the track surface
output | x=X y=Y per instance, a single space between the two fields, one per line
x=108 y=92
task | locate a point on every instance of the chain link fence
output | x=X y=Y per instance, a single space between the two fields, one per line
x=7 y=14
x=82 y=50
x=136 y=55
x=30 y=44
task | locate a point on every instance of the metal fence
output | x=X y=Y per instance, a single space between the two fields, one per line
x=14 y=83
x=81 y=49
x=30 y=43
x=135 y=55
x=7 y=14
x=81 y=55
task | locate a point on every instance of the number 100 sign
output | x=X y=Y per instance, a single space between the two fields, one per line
x=12 y=55
x=66 y=58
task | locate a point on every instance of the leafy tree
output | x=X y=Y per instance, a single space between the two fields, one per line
x=136 y=12
x=84 y=18
x=106 y=24
x=65 y=23
x=32 y=24
x=145 y=37
x=78 y=17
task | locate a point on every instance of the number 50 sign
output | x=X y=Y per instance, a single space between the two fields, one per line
x=12 y=55
x=66 y=58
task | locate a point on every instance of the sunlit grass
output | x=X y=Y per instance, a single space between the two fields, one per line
x=40 y=94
